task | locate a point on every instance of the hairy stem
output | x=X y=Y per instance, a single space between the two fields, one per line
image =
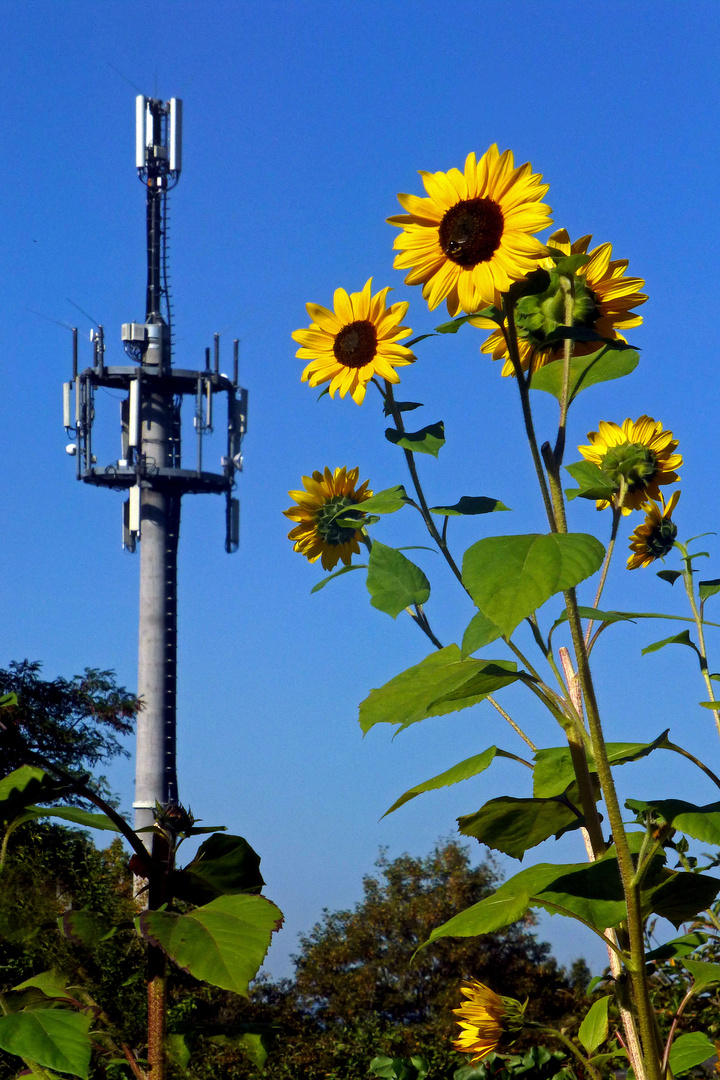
x=702 y=652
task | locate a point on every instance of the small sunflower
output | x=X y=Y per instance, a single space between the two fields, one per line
x=484 y=1018
x=639 y=454
x=318 y=535
x=356 y=341
x=472 y=237
x=655 y=538
x=612 y=297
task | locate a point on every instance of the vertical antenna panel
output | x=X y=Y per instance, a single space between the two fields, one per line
x=134 y=509
x=134 y=413
x=67 y=391
x=175 y=148
x=140 y=139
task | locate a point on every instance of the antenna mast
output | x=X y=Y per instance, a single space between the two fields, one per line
x=150 y=467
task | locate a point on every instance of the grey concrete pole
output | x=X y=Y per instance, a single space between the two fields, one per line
x=155 y=776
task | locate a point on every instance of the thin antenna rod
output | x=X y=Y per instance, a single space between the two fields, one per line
x=236 y=360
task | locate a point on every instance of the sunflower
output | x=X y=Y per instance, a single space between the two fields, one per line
x=484 y=1017
x=472 y=237
x=357 y=340
x=655 y=538
x=318 y=535
x=612 y=296
x=639 y=454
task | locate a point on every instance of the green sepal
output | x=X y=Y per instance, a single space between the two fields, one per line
x=470 y=505
x=393 y=581
x=427 y=440
x=592 y=482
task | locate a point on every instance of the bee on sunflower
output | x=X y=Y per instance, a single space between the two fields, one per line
x=655 y=538
x=638 y=455
x=473 y=235
x=322 y=531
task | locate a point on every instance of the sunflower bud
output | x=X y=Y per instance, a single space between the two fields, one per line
x=540 y=310
x=633 y=462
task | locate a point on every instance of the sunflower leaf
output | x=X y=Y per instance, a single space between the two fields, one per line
x=479 y=632
x=423 y=690
x=669 y=575
x=510 y=577
x=707 y=588
x=612 y=361
x=554 y=770
x=54 y=1038
x=427 y=440
x=688 y=1050
x=699 y=822
x=513 y=826
x=402 y=406
x=464 y=770
x=683 y=638
x=682 y=946
x=594 y=1028
x=338 y=573
x=470 y=505
x=387 y=501
x=393 y=581
x=594 y=483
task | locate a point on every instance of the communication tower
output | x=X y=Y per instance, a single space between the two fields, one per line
x=150 y=468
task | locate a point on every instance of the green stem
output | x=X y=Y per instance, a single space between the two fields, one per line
x=511 y=722
x=617 y=514
x=567 y=284
x=702 y=653
x=691 y=757
x=424 y=509
x=511 y=341
x=591 y=1070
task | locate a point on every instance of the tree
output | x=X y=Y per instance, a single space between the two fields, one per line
x=75 y=723
x=358 y=992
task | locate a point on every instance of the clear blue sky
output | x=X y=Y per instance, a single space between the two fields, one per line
x=302 y=122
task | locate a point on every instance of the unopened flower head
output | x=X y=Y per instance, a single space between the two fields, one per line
x=603 y=303
x=473 y=235
x=655 y=538
x=639 y=456
x=353 y=343
x=484 y=1018
x=324 y=531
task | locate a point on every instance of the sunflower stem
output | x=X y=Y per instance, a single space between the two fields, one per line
x=697 y=616
x=567 y=284
x=591 y=1070
x=510 y=335
x=617 y=514
x=511 y=722
x=424 y=509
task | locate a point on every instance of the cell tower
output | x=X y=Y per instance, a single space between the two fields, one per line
x=149 y=467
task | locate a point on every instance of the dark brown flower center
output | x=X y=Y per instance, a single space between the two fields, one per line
x=356 y=344
x=471 y=231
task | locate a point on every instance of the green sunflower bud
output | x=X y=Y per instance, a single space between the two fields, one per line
x=333 y=526
x=514 y=1018
x=636 y=463
x=540 y=310
x=661 y=539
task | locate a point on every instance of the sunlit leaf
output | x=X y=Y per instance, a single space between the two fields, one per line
x=479 y=632
x=554 y=770
x=699 y=822
x=609 y=362
x=592 y=482
x=54 y=1038
x=222 y=943
x=708 y=588
x=427 y=440
x=681 y=946
x=513 y=826
x=393 y=581
x=387 y=501
x=594 y=1028
x=703 y=974
x=464 y=770
x=510 y=577
x=423 y=690
x=690 y=1049
x=683 y=638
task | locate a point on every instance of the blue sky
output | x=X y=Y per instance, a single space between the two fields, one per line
x=302 y=122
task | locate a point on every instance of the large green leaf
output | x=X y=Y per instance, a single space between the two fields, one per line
x=700 y=822
x=479 y=632
x=77 y=815
x=54 y=1038
x=427 y=440
x=393 y=581
x=513 y=826
x=681 y=946
x=222 y=943
x=424 y=690
x=223 y=866
x=612 y=361
x=554 y=770
x=591 y=891
x=690 y=1049
x=594 y=1028
x=464 y=770
x=510 y=577
x=470 y=505
x=25 y=786
x=84 y=927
